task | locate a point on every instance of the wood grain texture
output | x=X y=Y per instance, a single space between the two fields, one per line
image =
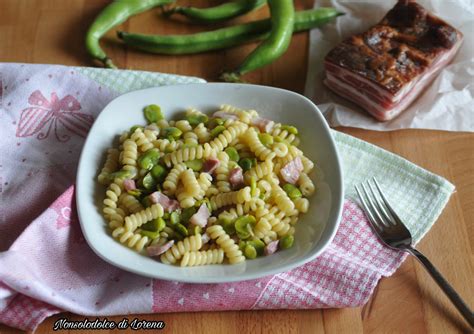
x=52 y=31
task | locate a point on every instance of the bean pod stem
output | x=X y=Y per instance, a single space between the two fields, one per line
x=225 y=11
x=111 y=16
x=224 y=37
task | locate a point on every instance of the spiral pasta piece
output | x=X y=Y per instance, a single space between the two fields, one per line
x=191 y=185
x=130 y=203
x=116 y=217
x=189 y=153
x=136 y=220
x=190 y=138
x=233 y=197
x=282 y=200
x=132 y=240
x=129 y=154
x=301 y=204
x=262 y=152
x=171 y=180
x=202 y=133
x=144 y=142
x=222 y=173
x=165 y=145
x=280 y=224
x=244 y=116
x=280 y=149
x=228 y=135
x=186 y=200
x=262 y=228
x=183 y=125
x=259 y=171
x=306 y=185
x=212 y=256
x=111 y=197
x=228 y=245
x=277 y=131
x=111 y=165
x=176 y=252
x=205 y=182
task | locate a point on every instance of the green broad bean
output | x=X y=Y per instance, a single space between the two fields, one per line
x=175 y=218
x=135 y=192
x=159 y=172
x=149 y=159
x=150 y=234
x=195 y=165
x=232 y=153
x=187 y=213
x=195 y=229
x=224 y=37
x=243 y=226
x=195 y=119
x=227 y=224
x=111 y=16
x=148 y=182
x=155 y=225
x=166 y=215
x=172 y=132
x=286 y=242
x=146 y=202
x=222 y=12
x=250 y=252
x=121 y=174
x=266 y=139
x=153 y=113
x=254 y=162
x=245 y=163
x=282 y=16
x=259 y=246
x=291 y=129
x=217 y=130
x=242 y=245
x=292 y=191
x=181 y=229
x=219 y=121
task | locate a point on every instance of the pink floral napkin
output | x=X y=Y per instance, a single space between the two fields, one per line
x=46 y=267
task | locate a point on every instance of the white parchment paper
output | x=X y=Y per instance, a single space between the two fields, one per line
x=447 y=104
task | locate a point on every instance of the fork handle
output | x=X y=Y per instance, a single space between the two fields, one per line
x=444 y=285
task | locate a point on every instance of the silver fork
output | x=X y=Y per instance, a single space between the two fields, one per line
x=391 y=230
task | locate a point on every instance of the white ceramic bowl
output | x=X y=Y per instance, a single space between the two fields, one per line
x=314 y=231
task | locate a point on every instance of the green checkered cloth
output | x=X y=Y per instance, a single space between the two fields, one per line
x=417 y=195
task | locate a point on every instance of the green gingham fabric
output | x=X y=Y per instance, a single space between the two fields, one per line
x=126 y=81
x=417 y=195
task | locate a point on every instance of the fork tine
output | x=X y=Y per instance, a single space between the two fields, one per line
x=388 y=218
x=396 y=219
x=374 y=207
x=368 y=213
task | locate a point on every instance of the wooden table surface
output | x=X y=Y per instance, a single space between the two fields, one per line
x=52 y=31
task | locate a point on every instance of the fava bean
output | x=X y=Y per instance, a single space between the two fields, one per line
x=232 y=153
x=243 y=226
x=287 y=241
x=149 y=159
x=250 y=252
x=155 y=225
x=217 y=130
x=292 y=191
x=195 y=119
x=172 y=132
x=153 y=113
x=159 y=172
x=195 y=165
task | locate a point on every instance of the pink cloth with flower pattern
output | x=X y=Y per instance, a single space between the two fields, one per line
x=45 y=265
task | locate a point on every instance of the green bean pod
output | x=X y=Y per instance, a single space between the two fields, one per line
x=114 y=14
x=282 y=15
x=225 y=37
x=218 y=13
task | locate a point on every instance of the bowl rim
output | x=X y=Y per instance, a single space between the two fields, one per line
x=338 y=192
